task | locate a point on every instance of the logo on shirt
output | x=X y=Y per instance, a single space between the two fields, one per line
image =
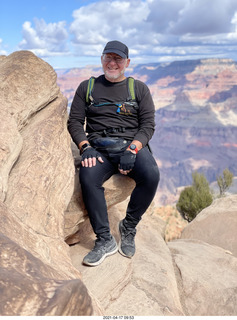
x=123 y=110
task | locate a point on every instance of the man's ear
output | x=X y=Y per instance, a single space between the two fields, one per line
x=127 y=63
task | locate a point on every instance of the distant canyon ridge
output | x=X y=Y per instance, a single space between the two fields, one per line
x=196 y=117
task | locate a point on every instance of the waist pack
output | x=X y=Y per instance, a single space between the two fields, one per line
x=110 y=145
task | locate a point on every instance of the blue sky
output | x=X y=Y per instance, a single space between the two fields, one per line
x=72 y=33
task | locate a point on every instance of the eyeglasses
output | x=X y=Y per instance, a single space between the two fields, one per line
x=109 y=58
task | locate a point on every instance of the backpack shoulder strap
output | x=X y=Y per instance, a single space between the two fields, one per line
x=131 y=93
x=130 y=85
x=131 y=89
x=90 y=87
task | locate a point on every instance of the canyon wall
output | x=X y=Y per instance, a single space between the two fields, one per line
x=196 y=118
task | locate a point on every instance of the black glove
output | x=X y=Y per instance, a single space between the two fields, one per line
x=90 y=152
x=127 y=160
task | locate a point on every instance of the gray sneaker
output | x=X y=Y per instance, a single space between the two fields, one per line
x=102 y=249
x=127 y=243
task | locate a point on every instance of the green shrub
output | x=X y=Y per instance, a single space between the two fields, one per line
x=195 y=198
x=225 y=182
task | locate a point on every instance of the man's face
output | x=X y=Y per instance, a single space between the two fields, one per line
x=114 y=66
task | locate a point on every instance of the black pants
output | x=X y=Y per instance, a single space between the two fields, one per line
x=146 y=175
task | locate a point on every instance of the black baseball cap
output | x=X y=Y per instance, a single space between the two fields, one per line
x=116 y=47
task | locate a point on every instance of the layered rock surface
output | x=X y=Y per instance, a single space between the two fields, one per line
x=181 y=277
x=36 y=183
x=216 y=225
x=41 y=212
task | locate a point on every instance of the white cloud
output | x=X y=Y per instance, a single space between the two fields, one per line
x=45 y=39
x=2 y=51
x=233 y=35
x=156 y=27
x=159 y=29
x=192 y=16
x=100 y=22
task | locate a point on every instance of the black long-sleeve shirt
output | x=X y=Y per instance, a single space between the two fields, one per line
x=139 y=123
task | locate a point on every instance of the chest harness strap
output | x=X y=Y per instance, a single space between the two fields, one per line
x=130 y=101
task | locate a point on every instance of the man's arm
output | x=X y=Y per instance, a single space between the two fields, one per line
x=77 y=115
x=146 y=113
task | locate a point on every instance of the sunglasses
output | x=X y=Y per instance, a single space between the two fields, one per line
x=109 y=58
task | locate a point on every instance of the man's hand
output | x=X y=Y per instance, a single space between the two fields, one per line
x=89 y=157
x=127 y=161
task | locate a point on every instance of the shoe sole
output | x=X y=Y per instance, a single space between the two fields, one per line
x=93 y=264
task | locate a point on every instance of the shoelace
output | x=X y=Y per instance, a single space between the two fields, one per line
x=129 y=234
x=99 y=245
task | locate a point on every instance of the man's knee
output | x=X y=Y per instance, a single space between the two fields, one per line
x=87 y=176
x=153 y=175
x=147 y=175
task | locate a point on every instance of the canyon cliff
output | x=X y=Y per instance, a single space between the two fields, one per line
x=45 y=231
x=196 y=118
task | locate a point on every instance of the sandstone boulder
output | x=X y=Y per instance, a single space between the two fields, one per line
x=145 y=285
x=206 y=277
x=36 y=185
x=191 y=278
x=30 y=287
x=216 y=224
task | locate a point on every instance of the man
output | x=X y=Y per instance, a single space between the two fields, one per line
x=118 y=130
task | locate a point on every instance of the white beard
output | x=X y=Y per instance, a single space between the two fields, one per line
x=115 y=76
